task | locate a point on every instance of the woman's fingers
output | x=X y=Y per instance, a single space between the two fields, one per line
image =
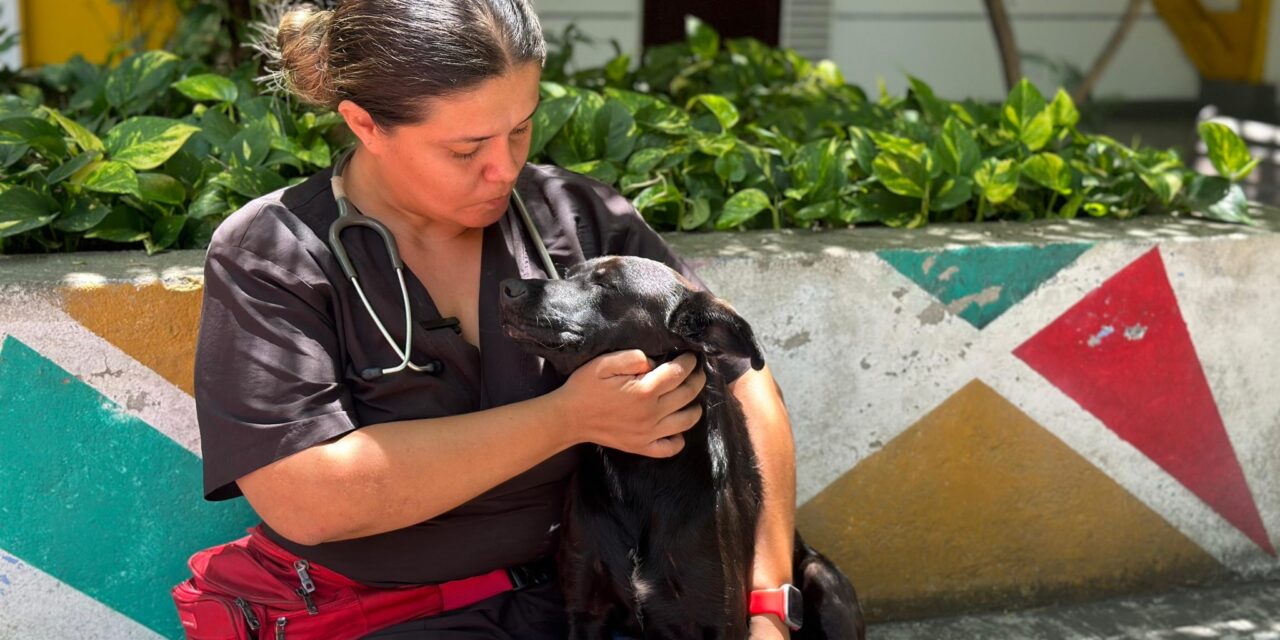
x=646 y=414
x=631 y=362
x=684 y=394
x=669 y=375
x=680 y=421
x=663 y=447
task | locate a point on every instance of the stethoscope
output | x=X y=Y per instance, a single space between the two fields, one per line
x=350 y=216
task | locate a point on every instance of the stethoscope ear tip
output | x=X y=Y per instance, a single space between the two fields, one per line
x=371 y=373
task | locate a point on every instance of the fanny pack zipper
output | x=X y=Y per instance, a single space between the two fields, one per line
x=280 y=622
x=249 y=615
x=308 y=587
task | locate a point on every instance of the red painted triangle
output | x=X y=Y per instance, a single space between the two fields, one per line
x=1124 y=354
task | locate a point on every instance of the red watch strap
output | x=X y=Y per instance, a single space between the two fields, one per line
x=769 y=601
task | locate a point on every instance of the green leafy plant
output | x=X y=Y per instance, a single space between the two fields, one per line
x=155 y=150
x=704 y=134
x=725 y=131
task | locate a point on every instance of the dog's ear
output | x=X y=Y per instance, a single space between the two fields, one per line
x=703 y=319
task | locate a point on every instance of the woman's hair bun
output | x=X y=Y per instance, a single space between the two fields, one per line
x=302 y=39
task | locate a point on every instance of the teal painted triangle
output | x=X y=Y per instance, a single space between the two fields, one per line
x=97 y=498
x=981 y=283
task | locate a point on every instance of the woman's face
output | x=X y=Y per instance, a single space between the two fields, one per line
x=460 y=164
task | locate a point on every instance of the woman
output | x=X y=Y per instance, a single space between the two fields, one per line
x=419 y=478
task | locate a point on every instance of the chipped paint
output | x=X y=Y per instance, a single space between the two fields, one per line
x=961 y=277
x=928 y=264
x=1135 y=332
x=796 y=341
x=1102 y=334
x=933 y=314
x=983 y=298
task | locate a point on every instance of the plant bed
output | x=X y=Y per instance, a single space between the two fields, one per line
x=702 y=135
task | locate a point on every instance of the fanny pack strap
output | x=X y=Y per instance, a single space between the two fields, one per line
x=457 y=594
x=454 y=594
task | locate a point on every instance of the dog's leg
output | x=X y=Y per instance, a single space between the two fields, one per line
x=589 y=593
x=831 y=607
x=583 y=626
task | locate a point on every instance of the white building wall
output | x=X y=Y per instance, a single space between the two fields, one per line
x=603 y=20
x=1271 y=68
x=949 y=44
x=11 y=21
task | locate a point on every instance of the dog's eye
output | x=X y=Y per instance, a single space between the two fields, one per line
x=604 y=284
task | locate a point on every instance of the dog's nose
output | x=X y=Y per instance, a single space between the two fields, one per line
x=514 y=288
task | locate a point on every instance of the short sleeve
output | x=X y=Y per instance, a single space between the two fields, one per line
x=268 y=367
x=625 y=233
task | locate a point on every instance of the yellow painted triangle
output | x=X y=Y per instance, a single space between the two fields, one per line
x=976 y=506
x=155 y=325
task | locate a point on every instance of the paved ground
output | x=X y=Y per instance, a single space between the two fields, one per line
x=1249 y=611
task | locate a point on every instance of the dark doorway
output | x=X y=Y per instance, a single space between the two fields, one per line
x=760 y=19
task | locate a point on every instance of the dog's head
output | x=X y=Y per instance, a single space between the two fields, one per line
x=621 y=302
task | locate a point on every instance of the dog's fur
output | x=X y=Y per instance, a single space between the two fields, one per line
x=662 y=548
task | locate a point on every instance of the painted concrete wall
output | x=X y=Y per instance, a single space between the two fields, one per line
x=985 y=416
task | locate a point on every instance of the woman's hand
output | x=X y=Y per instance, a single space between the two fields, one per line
x=621 y=401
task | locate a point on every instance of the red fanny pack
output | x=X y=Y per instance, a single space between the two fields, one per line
x=253 y=588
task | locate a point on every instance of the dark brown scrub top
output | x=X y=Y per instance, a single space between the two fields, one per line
x=284 y=336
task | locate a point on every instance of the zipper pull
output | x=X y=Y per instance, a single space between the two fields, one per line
x=308 y=587
x=301 y=567
x=249 y=615
x=280 y=627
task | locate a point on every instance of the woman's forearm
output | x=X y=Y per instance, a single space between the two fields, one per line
x=770 y=431
x=389 y=476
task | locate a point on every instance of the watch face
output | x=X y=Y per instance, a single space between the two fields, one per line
x=795 y=608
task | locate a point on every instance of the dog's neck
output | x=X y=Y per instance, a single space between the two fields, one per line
x=663 y=358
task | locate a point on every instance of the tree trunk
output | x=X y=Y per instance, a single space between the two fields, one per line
x=1003 y=29
x=1085 y=87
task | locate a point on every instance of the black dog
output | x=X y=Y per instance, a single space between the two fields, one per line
x=662 y=548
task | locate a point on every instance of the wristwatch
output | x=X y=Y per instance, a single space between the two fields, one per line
x=784 y=602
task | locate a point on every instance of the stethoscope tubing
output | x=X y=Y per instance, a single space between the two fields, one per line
x=349 y=216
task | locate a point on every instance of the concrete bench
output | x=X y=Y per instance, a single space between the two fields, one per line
x=986 y=416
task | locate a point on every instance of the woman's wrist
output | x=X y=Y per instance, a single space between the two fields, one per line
x=765 y=576
x=765 y=625
x=556 y=414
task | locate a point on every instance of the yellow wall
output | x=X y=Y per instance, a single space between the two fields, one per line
x=1223 y=45
x=55 y=30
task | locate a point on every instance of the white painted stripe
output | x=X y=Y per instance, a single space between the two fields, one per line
x=35 y=318
x=1227 y=291
x=34 y=604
